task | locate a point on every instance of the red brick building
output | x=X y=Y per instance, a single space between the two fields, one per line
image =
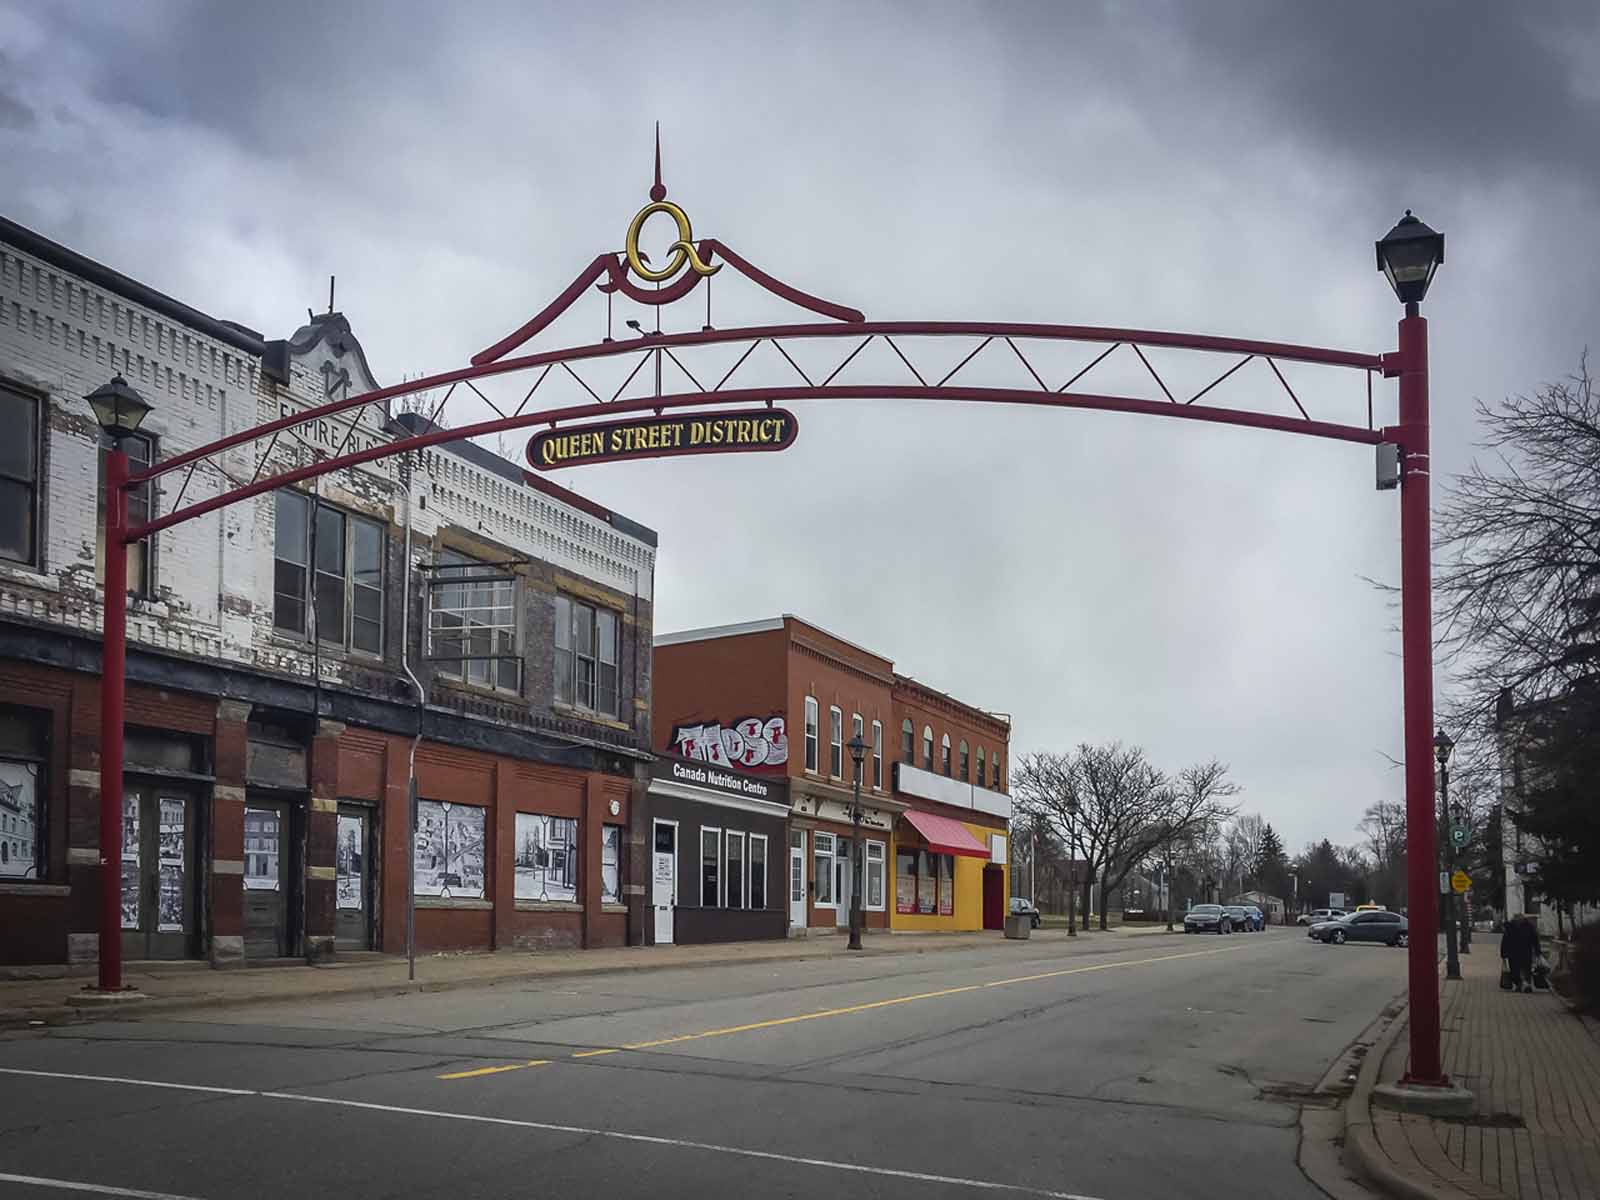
x=782 y=698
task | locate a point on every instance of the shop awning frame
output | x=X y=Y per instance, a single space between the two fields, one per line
x=945 y=835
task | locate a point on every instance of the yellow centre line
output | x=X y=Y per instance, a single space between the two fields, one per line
x=847 y=1010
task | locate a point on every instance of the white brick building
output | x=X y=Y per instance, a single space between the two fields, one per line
x=267 y=674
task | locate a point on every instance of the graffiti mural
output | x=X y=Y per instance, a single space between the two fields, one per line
x=753 y=743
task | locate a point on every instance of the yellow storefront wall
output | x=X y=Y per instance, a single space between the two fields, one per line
x=968 y=915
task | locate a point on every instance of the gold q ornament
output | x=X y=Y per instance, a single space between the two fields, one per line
x=683 y=250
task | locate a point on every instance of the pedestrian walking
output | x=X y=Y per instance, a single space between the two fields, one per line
x=1519 y=946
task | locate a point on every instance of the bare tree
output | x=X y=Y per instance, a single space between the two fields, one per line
x=1518 y=588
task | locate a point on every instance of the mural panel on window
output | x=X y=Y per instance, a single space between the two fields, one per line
x=927 y=892
x=947 y=885
x=611 y=864
x=546 y=857
x=19 y=820
x=449 y=853
x=905 y=881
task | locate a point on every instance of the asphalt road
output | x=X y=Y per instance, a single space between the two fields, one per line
x=1108 y=1067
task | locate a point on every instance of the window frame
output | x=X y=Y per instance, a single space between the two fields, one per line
x=351 y=521
x=821 y=877
x=944 y=755
x=606 y=830
x=980 y=780
x=574 y=851
x=590 y=703
x=877 y=756
x=835 y=742
x=927 y=747
x=460 y=670
x=445 y=892
x=750 y=862
x=716 y=864
x=881 y=861
x=811 y=735
x=35 y=485
x=936 y=865
x=908 y=742
x=42 y=719
x=965 y=762
x=735 y=872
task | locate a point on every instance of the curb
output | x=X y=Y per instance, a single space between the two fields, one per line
x=1362 y=1151
x=67 y=1013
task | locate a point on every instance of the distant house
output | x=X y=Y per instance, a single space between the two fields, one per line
x=1273 y=906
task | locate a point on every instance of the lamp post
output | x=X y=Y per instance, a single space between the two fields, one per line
x=1409 y=255
x=858 y=751
x=120 y=411
x=1072 y=866
x=1442 y=746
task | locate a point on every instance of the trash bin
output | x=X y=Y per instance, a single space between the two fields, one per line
x=1019 y=926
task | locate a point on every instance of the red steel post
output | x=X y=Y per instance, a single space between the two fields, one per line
x=113 y=681
x=1416 y=634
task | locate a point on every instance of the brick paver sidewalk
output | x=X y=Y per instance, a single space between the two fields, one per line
x=1534 y=1070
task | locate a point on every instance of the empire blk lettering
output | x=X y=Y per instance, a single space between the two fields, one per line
x=650 y=437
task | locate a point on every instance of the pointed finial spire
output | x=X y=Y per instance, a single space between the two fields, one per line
x=658 y=192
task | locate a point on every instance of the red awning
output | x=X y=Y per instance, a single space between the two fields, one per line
x=946 y=836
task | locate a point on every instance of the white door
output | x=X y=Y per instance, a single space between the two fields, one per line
x=664 y=879
x=797 y=879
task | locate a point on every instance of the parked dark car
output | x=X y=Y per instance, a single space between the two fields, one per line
x=1240 y=918
x=1388 y=928
x=1024 y=908
x=1208 y=918
x=1258 y=919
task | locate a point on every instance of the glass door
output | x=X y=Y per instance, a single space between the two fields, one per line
x=158 y=875
x=266 y=879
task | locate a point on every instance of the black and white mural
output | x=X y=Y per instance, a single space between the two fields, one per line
x=262 y=843
x=350 y=860
x=19 y=820
x=449 y=851
x=169 y=865
x=130 y=862
x=546 y=857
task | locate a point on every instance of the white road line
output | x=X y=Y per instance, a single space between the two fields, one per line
x=987 y=1185
x=98 y=1189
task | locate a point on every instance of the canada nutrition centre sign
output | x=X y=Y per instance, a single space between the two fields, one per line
x=657 y=437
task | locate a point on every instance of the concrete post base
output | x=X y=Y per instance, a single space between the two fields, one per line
x=90 y=998
x=1430 y=1101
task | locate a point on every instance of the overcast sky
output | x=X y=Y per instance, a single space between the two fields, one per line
x=1220 y=168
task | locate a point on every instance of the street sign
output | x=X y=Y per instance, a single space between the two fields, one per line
x=1335 y=899
x=1459 y=835
x=1461 y=881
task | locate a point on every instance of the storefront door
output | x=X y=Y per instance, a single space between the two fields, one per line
x=352 y=927
x=267 y=878
x=797 y=879
x=159 y=886
x=664 y=879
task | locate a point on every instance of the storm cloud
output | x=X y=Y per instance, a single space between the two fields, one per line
x=1218 y=168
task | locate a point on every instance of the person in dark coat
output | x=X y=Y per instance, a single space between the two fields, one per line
x=1519 y=946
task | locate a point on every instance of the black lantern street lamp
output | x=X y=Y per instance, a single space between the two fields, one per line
x=858 y=752
x=118 y=408
x=1408 y=256
x=1072 y=866
x=1442 y=746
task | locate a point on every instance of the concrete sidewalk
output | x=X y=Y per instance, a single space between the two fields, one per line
x=180 y=985
x=1533 y=1068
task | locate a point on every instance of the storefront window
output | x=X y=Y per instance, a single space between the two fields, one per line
x=875 y=865
x=611 y=865
x=22 y=797
x=449 y=852
x=877 y=755
x=907 y=754
x=905 y=881
x=710 y=867
x=947 y=884
x=735 y=884
x=927 y=883
x=811 y=733
x=758 y=871
x=822 y=844
x=546 y=857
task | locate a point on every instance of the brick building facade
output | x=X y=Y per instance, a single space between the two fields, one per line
x=782 y=699
x=277 y=650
